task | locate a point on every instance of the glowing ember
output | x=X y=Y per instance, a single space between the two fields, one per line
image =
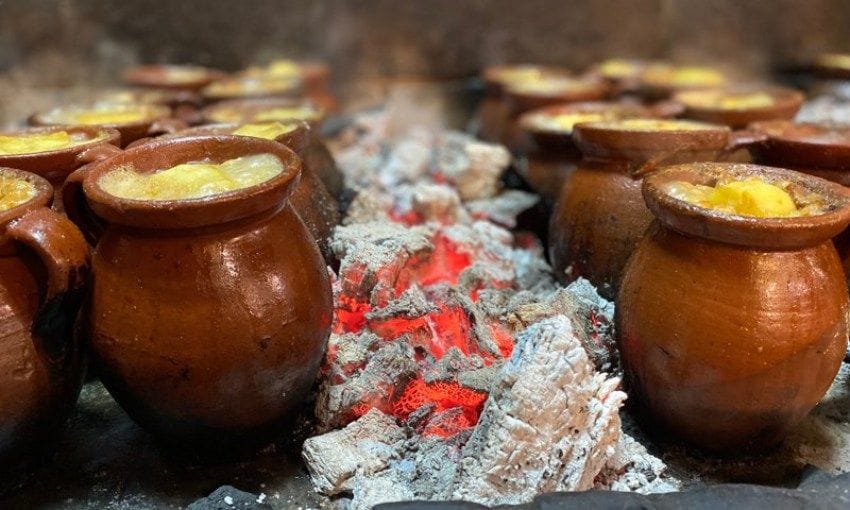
x=443 y=395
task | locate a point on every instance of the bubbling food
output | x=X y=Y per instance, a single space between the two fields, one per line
x=193 y=180
x=29 y=143
x=751 y=197
x=15 y=191
x=267 y=130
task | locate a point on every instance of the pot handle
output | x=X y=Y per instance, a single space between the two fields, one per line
x=65 y=255
x=77 y=207
x=742 y=139
x=97 y=153
x=167 y=125
x=641 y=170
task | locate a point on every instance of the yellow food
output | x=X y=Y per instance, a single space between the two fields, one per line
x=617 y=68
x=192 y=180
x=549 y=85
x=304 y=112
x=104 y=114
x=684 y=77
x=519 y=74
x=283 y=67
x=566 y=121
x=27 y=143
x=727 y=100
x=837 y=60
x=252 y=85
x=14 y=192
x=651 y=125
x=184 y=74
x=267 y=130
x=747 y=197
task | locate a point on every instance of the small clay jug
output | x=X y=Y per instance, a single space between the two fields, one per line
x=56 y=165
x=208 y=317
x=44 y=264
x=171 y=77
x=316 y=207
x=316 y=155
x=157 y=122
x=600 y=215
x=732 y=328
x=719 y=106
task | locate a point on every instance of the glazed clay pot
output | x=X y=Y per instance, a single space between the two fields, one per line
x=158 y=121
x=600 y=215
x=208 y=317
x=43 y=269
x=56 y=165
x=705 y=105
x=732 y=328
x=171 y=77
x=310 y=198
x=316 y=155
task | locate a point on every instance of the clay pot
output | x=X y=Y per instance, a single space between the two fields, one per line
x=316 y=207
x=43 y=270
x=660 y=81
x=316 y=155
x=623 y=75
x=732 y=328
x=316 y=80
x=172 y=77
x=250 y=86
x=600 y=215
x=704 y=105
x=56 y=165
x=208 y=317
x=832 y=66
x=158 y=122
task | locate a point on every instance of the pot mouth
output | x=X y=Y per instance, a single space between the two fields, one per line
x=559 y=120
x=776 y=233
x=171 y=76
x=243 y=111
x=95 y=135
x=618 y=69
x=805 y=144
x=743 y=99
x=70 y=115
x=210 y=210
x=555 y=87
x=42 y=194
x=832 y=65
x=673 y=78
x=252 y=85
x=295 y=135
x=505 y=74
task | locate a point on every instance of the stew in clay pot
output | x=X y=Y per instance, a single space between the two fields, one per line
x=43 y=270
x=732 y=314
x=211 y=304
x=737 y=107
x=600 y=214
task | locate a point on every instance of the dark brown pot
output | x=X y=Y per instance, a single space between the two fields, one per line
x=786 y=104
x=208 y=317
x=56 y=165
x=730 y=328
x=600 y=215
x=158 y=123
x=43 y=270
x=161 y=76
x=316 y=207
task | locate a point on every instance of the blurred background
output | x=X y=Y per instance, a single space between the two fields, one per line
x=53 y=49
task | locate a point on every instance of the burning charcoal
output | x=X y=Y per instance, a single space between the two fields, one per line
x=503 y=208
x=473 y=167
x=365 y=446
x=350 y=352
x=389 y=369
x=633 y=469
x=372 y=489
x=481 y=379
x=368 y=206
x=437 y=202
x=409 y=160
x=411 y=303
x=551 y=422
x=451 y=365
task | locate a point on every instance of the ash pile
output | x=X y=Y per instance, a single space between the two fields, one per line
x=458 y=368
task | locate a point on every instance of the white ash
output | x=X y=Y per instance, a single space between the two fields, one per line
x=826 y=109
x=633 y=469
x=411 y=303
x=472 y=166
x=504 y=208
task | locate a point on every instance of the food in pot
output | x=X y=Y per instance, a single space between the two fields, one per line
x=267 y=130
x=654 y=125
x=683 y=77
x=726 y=100
x=252 y=86
x=551 y=84
x=28 y=143
x=834 y=60
x=305 y=112
x=103 y=114
x=617 y=68
x=565 y=121
x=198 y=179
x=15 y=191
x=752 y=197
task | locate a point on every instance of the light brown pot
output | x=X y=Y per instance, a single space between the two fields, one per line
x=56 y=165
x=162 y=76
x=786 y=104
x=730 y=328
x=208 y=317
x=44 y=264
x=600 y=215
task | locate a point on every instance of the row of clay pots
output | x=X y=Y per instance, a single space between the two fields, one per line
x=205 y=319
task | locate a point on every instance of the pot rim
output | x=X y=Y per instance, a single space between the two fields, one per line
x=156 y=75
x=786 y=103
x=251 y=106
x=193 y=212
x=161 y=112
x=42 y=198
x=588 y=88
x=789 y=143
x=529 y=123
x=762 y=233
x=297 y=139
x=113 y=137
x=291 y=91
x=492 y=75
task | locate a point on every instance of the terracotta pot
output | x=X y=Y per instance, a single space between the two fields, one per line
x=250 y=86
x=208 y=317
x=56 y=165
x=522 y=98
x=316 y=154
x=732 y=328
x=185 y=104
x=491 y=117
x=173 y=77
x=832 y=66
x=704 y=105
x=158 y=122
x=600 y=215
x=553 y=156
x=316 y=79
x=316 y=207
x=43 y=269
x=623 y=75
x=660 y=81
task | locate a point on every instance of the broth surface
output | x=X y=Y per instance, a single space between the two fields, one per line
x=15 y=191
x=27 y=143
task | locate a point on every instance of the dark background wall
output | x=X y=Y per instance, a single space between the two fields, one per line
x=47 y=45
